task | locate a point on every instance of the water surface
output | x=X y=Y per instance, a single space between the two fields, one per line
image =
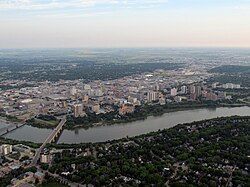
x=116 y=131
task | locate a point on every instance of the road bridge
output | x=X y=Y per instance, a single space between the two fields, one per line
x=9 y=128
x=53 y=136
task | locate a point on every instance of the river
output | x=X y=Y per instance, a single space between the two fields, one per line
x=116 y=131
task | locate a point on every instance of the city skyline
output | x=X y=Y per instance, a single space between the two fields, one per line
x=120 y=23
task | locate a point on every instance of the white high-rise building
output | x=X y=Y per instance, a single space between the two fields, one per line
x=6 y=149
x=191 y=89
x=73 y=91
x=184 y=89
x=78 y=110
x=152 y=96
x=173 y=92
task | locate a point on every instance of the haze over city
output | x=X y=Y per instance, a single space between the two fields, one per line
x=124 y=23
x=124 y=93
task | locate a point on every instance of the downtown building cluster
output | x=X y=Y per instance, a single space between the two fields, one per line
x=78 y=98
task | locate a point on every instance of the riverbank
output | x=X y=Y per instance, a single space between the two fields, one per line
x=9 y=119
x=111 y=132
x=165 y=156
x=81 y=145
x=122 y=139
x=34 y=122
x=141 y=113
x=14 y=142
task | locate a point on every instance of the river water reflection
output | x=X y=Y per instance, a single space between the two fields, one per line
x=104 y=133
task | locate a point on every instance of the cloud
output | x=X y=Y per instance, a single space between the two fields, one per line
x=39 y=5
x=52 y=4
x=64 y=4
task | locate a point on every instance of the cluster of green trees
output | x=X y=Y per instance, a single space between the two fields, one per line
x=12 y=141
x=46 y=117
x=7 y=87
x=8 y=117
x=43 y=121
x=83 y=70
x=233 y=74
x=231 y=69
x=243 y=79
x=205 y=148
x=6 y=180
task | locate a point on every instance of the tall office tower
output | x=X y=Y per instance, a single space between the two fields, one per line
x=73 y=91
x=64 y=104
x=184 y=89
x=6 y=149
x=152 y=96
x=198 y=90
x=96 y=108
x=78 y=110
x=85 y=98
x=191 y=89
x=173 y=92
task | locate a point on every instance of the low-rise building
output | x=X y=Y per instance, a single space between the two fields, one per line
x=126 y=109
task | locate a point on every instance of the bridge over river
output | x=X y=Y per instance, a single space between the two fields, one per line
x=53 y=136
x=9 y=128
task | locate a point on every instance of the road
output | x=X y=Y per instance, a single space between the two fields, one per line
x=9 y=128
x=48 y=140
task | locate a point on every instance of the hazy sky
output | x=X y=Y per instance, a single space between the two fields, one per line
x=124 y=23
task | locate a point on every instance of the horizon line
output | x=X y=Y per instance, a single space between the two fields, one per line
x=131 y=47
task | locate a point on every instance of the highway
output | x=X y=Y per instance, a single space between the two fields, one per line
x=49 y=139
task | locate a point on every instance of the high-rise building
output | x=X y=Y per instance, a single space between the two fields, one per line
x=73 y=91
x=173 y=92
x=85 y=98
x=45 y=158
x=198 y=90
x=64 y=104
x=78 y=110
x=191 y=89
x=6 y=149
x=96 y=108
x=184 y=89
x=152 y=96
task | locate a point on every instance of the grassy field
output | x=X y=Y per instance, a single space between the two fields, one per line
x=52 y=122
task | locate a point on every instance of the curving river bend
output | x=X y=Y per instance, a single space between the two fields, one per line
x=104 y=133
